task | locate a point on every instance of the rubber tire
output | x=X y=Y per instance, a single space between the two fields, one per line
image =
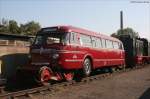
x=87 y=67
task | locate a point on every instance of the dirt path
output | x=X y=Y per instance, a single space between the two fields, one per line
x=131 y=85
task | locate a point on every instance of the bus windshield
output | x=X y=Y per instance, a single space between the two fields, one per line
x=51 y=38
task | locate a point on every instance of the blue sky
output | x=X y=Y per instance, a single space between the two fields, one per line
x=96 y=15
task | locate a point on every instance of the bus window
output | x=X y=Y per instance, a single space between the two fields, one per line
x=93 y=42
x=109 y=44
x=116 y=45
x=73 y=38
x=100 y=43
x=85 y=40
x=50 y=38
x=96 y=42
x=104 y=43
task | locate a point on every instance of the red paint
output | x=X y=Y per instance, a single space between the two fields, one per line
x=71 y=56
x=69 y=76
x=45 y=75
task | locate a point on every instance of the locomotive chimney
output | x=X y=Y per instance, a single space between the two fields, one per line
x=121 y=21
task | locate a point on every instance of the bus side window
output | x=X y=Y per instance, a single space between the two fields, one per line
x=109 y=44
x=116 y=45
x=73 y=38
x=93 y=42
x=98 y=43
x=104 y=43
x=85 y=40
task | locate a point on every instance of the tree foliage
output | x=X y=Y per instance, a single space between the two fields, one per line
x=4 y=26
x=30 y=28
x=126 y=31
x=11 y=26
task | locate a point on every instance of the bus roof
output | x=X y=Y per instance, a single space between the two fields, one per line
x=83 y=31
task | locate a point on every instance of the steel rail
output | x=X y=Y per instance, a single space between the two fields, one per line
x=51 y=89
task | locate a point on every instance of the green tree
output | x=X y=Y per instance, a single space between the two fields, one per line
x=126 y=31
x=4 y=22
x=4 y=26
x=22 y=29
x=13 y=27
x=30 y=28
x=4 y=29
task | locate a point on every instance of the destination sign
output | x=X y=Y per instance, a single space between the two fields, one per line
x=49 y=29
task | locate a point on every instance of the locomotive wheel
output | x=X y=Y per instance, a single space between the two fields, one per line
x=44 y=75
x=86 y=67
x=69 y=76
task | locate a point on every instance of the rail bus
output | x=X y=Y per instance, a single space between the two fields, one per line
x=59 y=51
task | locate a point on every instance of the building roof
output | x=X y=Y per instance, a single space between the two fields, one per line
x=10 y=36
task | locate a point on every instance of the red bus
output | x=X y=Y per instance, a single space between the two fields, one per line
x=60 y=50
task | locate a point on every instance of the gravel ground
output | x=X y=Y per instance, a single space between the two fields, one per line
x=130 y=85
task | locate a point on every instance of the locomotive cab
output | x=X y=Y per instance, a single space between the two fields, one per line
x=45 y=58
x=46 y=47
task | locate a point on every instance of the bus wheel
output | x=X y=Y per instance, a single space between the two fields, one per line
x=86 y=67
x=45 y=75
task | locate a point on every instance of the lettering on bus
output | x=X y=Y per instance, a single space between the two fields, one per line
x=94 y=42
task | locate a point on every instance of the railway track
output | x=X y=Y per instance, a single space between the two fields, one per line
x=51 y=89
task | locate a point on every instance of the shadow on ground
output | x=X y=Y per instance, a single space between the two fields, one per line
x=146 y=94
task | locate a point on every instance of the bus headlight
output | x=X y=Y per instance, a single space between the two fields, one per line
x=55 y=56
